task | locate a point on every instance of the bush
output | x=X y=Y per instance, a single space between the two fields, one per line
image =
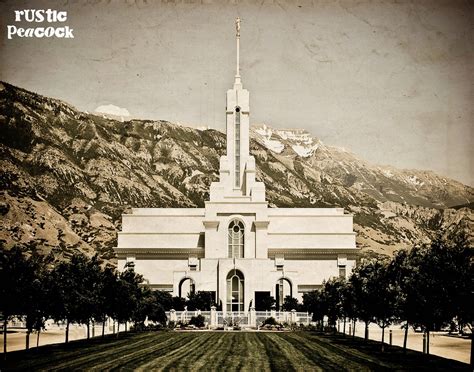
x=270 y=321
x=197 y=321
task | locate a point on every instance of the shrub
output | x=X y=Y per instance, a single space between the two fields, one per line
x=197 y=321
x=270 y=321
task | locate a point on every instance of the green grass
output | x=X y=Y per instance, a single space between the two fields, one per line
x=226 y=351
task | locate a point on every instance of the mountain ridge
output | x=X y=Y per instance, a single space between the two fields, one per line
x=67 y=176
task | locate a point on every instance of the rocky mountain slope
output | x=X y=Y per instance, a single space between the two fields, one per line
x=66 y=177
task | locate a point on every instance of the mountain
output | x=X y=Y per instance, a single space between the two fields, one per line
x=67 y=176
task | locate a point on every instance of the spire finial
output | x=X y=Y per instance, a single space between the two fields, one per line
x=237 y=35
x=237 y=26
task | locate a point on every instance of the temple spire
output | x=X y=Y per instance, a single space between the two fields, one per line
x=237 y=36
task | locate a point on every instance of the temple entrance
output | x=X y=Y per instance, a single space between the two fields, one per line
x=235 y=291
x=263 y=301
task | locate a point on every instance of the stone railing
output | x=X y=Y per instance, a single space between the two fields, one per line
x=247 y=319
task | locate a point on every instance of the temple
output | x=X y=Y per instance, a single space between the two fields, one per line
x=236 y=246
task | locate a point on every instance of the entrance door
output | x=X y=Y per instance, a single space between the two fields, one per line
x=263 y=301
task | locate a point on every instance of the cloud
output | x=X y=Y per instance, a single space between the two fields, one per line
x=112 y=110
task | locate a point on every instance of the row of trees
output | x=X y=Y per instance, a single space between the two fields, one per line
x=428 y=286
x=81 y=291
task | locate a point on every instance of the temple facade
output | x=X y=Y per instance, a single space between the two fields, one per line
x=236 y=246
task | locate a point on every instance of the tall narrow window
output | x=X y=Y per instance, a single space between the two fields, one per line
x=236 y=239
x=235 y=291
x=237 y=147
x=283 y=288
x=342 y=272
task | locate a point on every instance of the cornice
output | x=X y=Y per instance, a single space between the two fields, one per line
x=311 y=233
x=313 y=253
x=159 y=253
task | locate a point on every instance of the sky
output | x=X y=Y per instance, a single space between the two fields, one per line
x=391 y=81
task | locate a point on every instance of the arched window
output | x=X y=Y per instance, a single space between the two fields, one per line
x=186 y=287
x=236 y=239
x=235 y=291
x=283 y=288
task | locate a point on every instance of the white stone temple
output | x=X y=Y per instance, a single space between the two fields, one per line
x=236 y=246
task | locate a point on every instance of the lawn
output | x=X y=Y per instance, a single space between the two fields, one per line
x=248 y=351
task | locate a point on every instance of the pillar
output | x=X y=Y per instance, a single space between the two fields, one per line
x=293 y=316
x=213 y=317
x=252 y=317
x=173 y=317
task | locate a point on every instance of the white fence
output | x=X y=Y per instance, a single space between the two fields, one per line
x=248 y=319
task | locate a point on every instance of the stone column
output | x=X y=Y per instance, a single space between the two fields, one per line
x=213 y=317
x=173 y=316
x=273 y=314
x=261 y=244
x=293 y=316
x=252 y=317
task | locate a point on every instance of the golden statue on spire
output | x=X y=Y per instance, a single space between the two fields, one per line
x=237 y=26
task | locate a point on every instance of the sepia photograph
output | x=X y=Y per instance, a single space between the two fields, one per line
x=237 y=185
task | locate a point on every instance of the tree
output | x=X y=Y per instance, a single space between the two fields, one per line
x=314 y=302
x=290 y=303
x=150 y=305
x=37 y=299
x=157 y=312
x=72 y=292
x=401 y=269
x=178 y=303
x=127 y=296
x=17 y=273
x=331 y=295
x=201 y=300
x=265 y=302
x=91 y=274
x=164 y=299
x=385 y=302
x=105 y=295
x=365 y=291
x=348 y=304
x=440 y=283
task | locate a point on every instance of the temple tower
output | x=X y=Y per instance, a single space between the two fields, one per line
x=237 y=167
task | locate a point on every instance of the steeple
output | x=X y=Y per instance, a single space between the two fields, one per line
x=237 y=167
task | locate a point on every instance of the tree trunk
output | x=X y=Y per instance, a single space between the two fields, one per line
x=428 y=341
x=5 y=322
x=353 y=328
x=67 y=331
x=27 y=346
x=118 y=329
x=383 y=339
x=38 y=338
x=88 y=330
x=344 y=327
x=103 y=328
x=125 y=326
x=405 y=338
x=366 y=336
x=472 y=346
